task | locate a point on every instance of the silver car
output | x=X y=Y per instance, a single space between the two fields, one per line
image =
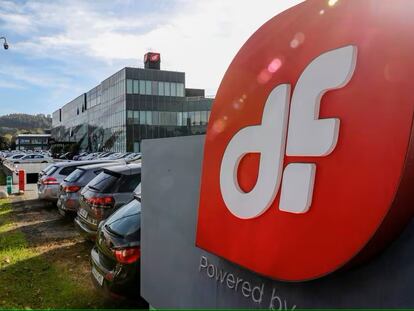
x=32 y=158
x=72 y=185
x=14 y=157
x=48 y=183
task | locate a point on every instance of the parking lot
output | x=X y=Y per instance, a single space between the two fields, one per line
x=44 y=261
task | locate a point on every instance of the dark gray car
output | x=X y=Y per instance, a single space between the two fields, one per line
x=71 y=187
x=104 y=194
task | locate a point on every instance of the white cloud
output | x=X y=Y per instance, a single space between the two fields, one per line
x=201 y=40
x=196 y=36
x=16 y=22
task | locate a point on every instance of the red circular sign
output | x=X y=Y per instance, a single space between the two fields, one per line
x=360 y=195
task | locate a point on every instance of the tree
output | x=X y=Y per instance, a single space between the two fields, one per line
x=4 y=143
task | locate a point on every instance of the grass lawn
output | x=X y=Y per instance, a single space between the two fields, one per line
x=29 y=279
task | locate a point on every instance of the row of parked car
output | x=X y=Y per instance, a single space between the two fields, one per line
x=103 y=196
x=84 y=156
x=41 y=156
x=17 y=157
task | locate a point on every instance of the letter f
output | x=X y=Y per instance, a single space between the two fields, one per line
x=308 y=136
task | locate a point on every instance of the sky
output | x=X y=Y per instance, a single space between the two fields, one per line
x=60 y=49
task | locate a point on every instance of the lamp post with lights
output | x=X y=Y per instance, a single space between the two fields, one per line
x=5 y=44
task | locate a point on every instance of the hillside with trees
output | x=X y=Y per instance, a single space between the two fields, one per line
x=20 y=123
x=25 y=121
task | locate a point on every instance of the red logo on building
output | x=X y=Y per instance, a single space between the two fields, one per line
x=308 y=155
x=155 y=57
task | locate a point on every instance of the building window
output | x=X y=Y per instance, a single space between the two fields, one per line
x=136 y=87
x=192 y=117
x=185 y=117
x=173 y=89
x=136 y=117
x=142 y=87
x=204 y=118
x=180 y=89
x=129 y=87
x=130 y=116
x=148 y=87
x=142 y=117
x=161 y=88
x=167 y=89
x=154 y=90
x=149 y=117
x=136 y=147
x=155 y=118
x=179 y=118
x=197 y=117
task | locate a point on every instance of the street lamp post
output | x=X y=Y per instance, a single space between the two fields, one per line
x=5 y=44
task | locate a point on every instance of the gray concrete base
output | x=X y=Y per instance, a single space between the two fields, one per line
x=176 y=274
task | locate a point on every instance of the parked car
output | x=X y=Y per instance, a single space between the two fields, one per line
x=79 y=156
x=14 y=157
x=66 y=156
x=135 y=156
x=5 y=154
x=71 y=187
x=105 y=155
x=48 y=183
x=32 y=158
x=119 y=155
x=115 y=259
x=104 y=194
x=90 y=156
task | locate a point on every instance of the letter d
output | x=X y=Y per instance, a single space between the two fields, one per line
x=269 y=140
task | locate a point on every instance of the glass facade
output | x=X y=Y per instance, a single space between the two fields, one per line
x=132 y=105
x=96 y=119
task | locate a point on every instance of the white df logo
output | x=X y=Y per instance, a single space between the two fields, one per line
x=307 y=136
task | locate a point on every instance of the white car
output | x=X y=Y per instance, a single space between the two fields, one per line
x=14 y=157
x=31 y=158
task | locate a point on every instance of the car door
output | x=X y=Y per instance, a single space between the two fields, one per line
x=38 y=158
x=30 y=159
x=24 y=159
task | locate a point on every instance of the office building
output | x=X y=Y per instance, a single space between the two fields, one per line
x=132 y=105
x=32 y=141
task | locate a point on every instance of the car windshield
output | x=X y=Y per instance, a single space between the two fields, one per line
x=74 y=176
x=126 y=220
x=104 y=182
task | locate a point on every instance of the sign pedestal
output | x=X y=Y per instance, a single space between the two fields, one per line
x=177 y=274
